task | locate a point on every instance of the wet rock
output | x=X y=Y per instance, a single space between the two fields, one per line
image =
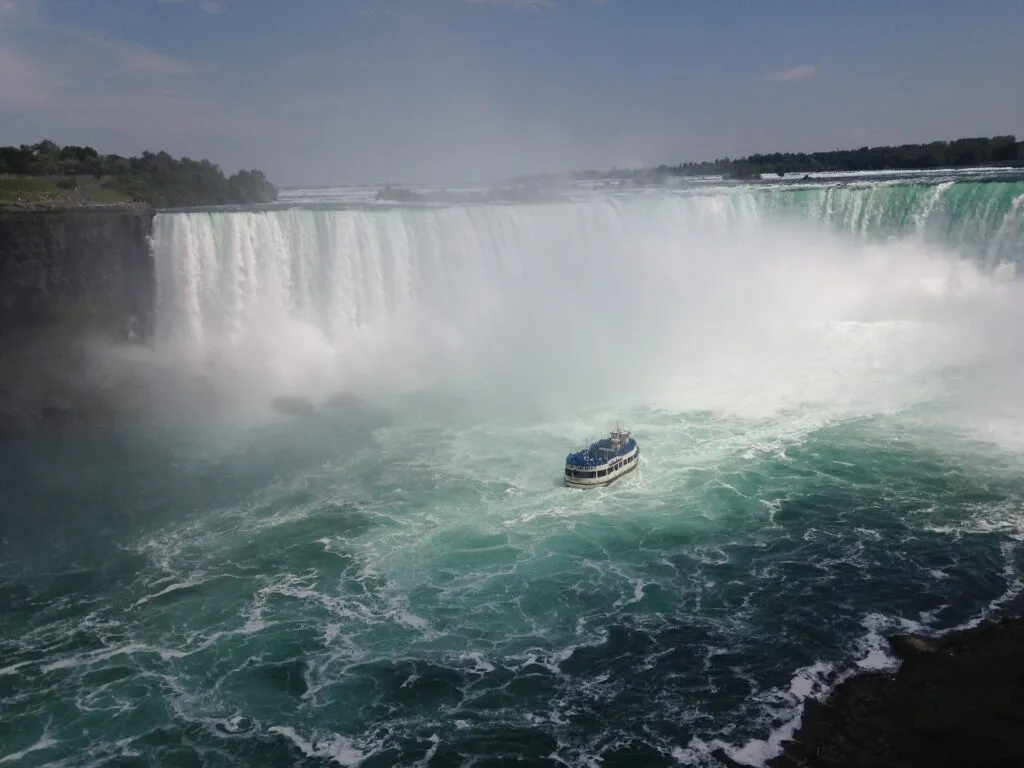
x=342 y=400
x=911 y=646
x=294 y=406
x=958 y=703
x=796 y=751
x=721 y=756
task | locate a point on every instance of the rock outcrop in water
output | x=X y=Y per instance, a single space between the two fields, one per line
x=955 y=701
x=68 y=277
x=298 y=407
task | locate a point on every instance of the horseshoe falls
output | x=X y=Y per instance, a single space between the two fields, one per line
x=335 y=532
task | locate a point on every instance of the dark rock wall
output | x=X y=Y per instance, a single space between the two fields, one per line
x=77 y=268
x=954 y=702
x=68 y=279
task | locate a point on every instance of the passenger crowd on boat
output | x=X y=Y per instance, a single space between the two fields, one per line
x=592 y=456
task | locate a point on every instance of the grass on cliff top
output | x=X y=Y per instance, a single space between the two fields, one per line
x=35 y=191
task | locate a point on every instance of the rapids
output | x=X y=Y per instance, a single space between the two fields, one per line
x=824 y=379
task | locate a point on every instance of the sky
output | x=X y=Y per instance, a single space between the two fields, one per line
x=320 y=92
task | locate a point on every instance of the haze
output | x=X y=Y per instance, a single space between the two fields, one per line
x=457 y=90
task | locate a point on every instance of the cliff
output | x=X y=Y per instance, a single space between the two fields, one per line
x=68 y=277
x=87 y=266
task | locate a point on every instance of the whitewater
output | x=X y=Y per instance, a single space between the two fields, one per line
x=824 y=377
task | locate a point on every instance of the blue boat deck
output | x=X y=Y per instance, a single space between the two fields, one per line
x=600 y=452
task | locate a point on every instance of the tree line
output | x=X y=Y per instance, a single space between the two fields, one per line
x=959 y=153
x=154 y=178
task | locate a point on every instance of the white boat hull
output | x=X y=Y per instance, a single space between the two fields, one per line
x=592 y=477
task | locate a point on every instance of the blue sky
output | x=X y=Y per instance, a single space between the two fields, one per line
x=338 y=91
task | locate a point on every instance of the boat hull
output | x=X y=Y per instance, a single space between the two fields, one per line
x=632 y=460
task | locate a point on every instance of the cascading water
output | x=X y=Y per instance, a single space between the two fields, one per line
x=824 y=382
x=592 y=296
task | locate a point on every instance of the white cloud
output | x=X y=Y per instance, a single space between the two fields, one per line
x=140 y=58
x=23 y=85
x=83 y=86
x=206 y=6
x=60 y=71
x=529 y=3
x=803 y=72
x=516 y=3
x=16 y=11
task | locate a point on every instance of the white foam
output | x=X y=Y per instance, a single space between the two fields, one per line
x=86 y=659
x=335 y=748
x=193 y=581
x=41 y=745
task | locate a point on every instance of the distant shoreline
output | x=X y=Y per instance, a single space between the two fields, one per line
x=955 y=155
x=975 y=152
x=293 y=188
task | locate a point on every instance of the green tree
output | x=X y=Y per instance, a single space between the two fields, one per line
x=155 y=178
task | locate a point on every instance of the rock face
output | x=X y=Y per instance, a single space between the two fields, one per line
x=955 y=701
x=68 y=277
x=78 y=266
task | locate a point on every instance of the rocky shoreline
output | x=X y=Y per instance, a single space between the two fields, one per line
x=956 y=700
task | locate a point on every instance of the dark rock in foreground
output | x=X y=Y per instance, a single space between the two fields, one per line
x=957 y=700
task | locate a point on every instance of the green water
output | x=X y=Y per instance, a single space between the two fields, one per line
x=401 y=579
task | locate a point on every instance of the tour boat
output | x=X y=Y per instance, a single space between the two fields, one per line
x=602 y=462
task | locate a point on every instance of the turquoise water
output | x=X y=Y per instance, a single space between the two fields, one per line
x=829 y=418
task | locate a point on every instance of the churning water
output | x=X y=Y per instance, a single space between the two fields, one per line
x=825 y=380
